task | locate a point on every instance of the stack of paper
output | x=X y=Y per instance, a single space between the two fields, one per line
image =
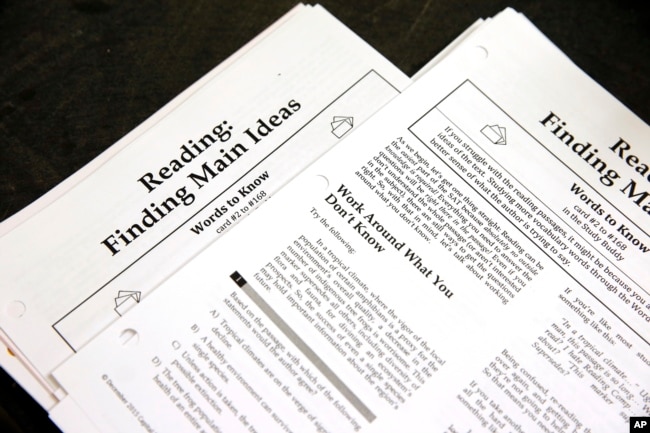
x=112 y=232
x=470 y=258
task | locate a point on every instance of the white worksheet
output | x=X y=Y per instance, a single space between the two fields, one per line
x=96 y=246
x=472 y=258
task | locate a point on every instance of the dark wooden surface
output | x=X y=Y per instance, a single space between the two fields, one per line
x=77 y=75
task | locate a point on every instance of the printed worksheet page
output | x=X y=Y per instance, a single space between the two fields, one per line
x=77 y=261
x=472 y=258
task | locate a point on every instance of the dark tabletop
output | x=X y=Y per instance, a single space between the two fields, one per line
x=77 y=75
